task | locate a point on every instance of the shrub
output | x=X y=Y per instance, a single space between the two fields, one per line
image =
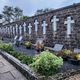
x=28 y=44
x=6 y=47
x=27 y=59
x=15 y=53
x=21 y=57
x=46 y=63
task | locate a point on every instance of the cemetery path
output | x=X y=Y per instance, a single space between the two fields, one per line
x=8 y=72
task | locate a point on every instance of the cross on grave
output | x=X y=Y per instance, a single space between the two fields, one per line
x=13 y=31
x=0 y=30
x=20 y=28
x=24 y=25
x=6 y=29
x=16 y=29
x=69 y=22
x=44 y=27
x=36 y=26
x=3 y=30
x=54 y=23
x=20 y=38
x=29 y=28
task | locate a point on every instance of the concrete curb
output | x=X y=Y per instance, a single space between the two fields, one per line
x=24 y=69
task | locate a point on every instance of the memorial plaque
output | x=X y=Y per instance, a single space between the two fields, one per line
x=58 y=47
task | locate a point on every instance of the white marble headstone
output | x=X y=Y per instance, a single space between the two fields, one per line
x=24 y=25
x=54 y=23
x=36 y=25
x=69 y=28
x=44 y=27
x=20 y=29
x=76 y=50
x=58 y=47
x=15 y=37
x=16 y=28
x=29 y=28
x=20 y=38
x=13 y=30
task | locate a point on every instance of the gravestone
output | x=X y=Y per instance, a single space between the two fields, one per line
x=24 y=25
x=30 y=31
x=44 y=25
x=29 y=28
x=16 y=29
x=20 y=38
x=20 y=30
x=13 y=31
x=69 y=22
x=58 y=47
x=76 y=50
x=15 y=39
x=36 y=26
x=54 y=24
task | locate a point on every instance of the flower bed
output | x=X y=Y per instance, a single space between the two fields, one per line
x=39 y=67
x=45 y=63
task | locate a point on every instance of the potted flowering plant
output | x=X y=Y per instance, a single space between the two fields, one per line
x=65 y=54
x=75 y=59
x=39 y=47
x=28 y=45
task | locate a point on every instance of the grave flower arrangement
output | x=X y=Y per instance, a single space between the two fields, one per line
x=75 y=59
x=28 y=44
x=39 y=47
x=65 y=54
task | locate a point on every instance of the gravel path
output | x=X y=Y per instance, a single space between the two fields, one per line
x=75 y=77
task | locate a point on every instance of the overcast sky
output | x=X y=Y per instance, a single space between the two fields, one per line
x=30 y=6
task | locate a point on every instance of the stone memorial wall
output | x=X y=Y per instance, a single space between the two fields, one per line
x=61 y=26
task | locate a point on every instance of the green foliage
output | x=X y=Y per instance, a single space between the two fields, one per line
x=46 y=63
x=24 y=17
x=28 y=44
x=6 y=47
x=15 y=53
x=23 y=58
x=27 y=59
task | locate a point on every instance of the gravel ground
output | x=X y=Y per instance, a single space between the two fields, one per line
x=75 y=77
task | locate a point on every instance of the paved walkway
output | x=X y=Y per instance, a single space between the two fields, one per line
x=8 y=72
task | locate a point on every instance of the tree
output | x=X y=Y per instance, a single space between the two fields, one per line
x=17 y=13
x=41 y=11
x=11 y=14
x=8 y=13
x=24 y=17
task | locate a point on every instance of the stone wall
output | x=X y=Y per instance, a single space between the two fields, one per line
x=61 y=32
